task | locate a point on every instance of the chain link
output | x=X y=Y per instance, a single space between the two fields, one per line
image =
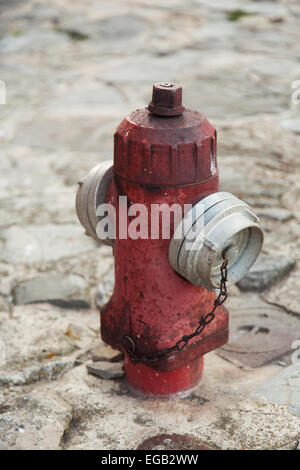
x=130 y=347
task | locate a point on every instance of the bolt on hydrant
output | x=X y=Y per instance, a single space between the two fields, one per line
x=177 y=242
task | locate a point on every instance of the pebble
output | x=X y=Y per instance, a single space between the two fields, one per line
x=36 y=244
x=31 y=41
x=283 y=388
x=68 y=291
x=106 y=370
x=291 y=199
x=36 y=373
x=292 y=125
x=275 y=213
x=34 y=421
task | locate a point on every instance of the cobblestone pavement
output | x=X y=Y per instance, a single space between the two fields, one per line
x=72 y=71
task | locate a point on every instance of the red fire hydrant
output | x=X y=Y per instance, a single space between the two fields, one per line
x=164 y=313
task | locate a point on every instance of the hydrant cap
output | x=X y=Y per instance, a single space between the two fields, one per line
x=91 y=193
x=218 y=224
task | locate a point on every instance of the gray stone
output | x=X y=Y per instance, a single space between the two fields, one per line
x=275 y=213
x=106 y=370
x=255 y=190
x=42 y=12
x=292 y=124
x=84 y=134
x=41 y=243
x=267 y=270
x=286 y=293
x=12 y=378
x=31 y=41
x=121 y=26
x=59 y=289
x=5 y=303
x=35 y=421
x=283 y=388
x=51 y=370
x=59 y=201
x=231 y=104
x=91 y=101
x=42 y=341
x=258 y=148
x=11 y=4
x=105 y=289
x=103 y=353
x=39 y=203
x=220 y=411
x=260 y=7
x=111 y=28
x=291 y=199
x=144 y=68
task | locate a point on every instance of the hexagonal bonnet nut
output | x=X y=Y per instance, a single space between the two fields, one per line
x=166 y=100
x=217 y=224
x=91 y=194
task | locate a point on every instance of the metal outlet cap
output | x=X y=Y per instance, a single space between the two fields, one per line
x=220 y=223
x=91 y=193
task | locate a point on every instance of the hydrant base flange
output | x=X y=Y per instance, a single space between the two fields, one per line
x=147 y=382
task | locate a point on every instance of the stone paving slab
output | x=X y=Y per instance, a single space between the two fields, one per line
x=220 y=412
x=284 y=389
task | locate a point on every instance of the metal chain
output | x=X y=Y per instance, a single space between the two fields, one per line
x=135 y=358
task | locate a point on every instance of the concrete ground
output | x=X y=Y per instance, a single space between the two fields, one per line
x=72 y=70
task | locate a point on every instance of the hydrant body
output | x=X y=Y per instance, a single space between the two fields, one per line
x=161 y=161
x=163 y=155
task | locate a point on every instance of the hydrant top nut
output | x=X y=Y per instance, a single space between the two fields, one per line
x=166 y=100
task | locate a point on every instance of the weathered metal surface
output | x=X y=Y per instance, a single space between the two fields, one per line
x=129 y=343
x=166 y=99
x=151 y=301
x=174 y=442
x=174 y=151
x=165 y=154
x=170 y=159
x=148 y=382
x=258 y=334
x=216 y=224
x=161 y=160
x=91 y=193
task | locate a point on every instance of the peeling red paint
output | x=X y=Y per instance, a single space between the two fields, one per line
x=161 y=160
